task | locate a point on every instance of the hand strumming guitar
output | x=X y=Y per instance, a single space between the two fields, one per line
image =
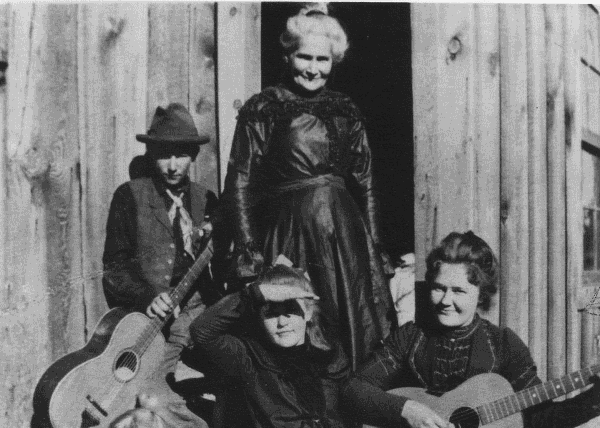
x=420 y=416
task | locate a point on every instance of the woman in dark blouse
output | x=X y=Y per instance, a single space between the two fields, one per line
x=452 y=344
x=276 y=366
x=298 y=149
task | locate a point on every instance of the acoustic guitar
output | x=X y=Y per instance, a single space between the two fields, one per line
x=92 y=386
x=489 y=400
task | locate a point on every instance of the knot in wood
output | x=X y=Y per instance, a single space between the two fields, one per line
x=3 y=67
x=113 y=27
x=35 y=163
x=454 y=47
x=237 y=104
x=233 y=11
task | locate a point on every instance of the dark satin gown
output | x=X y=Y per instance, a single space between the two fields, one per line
x=293 y=164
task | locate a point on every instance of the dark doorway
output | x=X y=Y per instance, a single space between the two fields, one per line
x=377 y=74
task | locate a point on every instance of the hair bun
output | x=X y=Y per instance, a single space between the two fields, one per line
x=314 y=9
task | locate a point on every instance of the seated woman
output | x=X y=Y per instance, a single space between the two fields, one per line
x=452 y=344
x=277 y=369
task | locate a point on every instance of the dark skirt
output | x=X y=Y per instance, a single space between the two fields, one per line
x=318 y=225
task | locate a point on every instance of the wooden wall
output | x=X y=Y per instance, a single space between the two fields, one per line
x=82 y=80
x=498 y=98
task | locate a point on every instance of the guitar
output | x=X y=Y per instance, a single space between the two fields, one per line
x=92 y=386
x=489 y=400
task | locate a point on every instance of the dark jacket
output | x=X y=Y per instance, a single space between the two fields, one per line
x=139 y=253
x=263 y=385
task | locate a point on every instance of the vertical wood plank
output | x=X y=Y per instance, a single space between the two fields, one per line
x=57 y=107
x=586 y=96
x=24 y=286
x=238 y=65
x=538 y=200
x=4 y=37
x=593 y=81
x=589 y=21
x=425 y=22
x=42 y=201
x=588 y=334
x=456 y=99
x=252 y=26
x=514 y=227
x=168 y=55
x=113 y=48
x=202 y=91
x=486 y=205
x=574 y=217
x=555 y=122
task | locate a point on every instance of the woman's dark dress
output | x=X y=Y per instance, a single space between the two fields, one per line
x=293 y=162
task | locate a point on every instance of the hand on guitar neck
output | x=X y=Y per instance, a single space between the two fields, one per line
x=421 y=416
x=162 y=305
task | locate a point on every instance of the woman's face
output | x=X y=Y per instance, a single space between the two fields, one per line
x=453 y=297
x=311 y=63
x=285 y=322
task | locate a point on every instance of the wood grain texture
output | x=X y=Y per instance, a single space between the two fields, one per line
x=514 y=190
x=168 y=55
x=252 y=25
x=593 y=101
x=4 y=39
x=425 y=21
x=486 y=205
x=555 y=126
x=457 y=104
x=238 y=65
x=112 y=109
x=25 y=286
x=538 y=197
x=202 y=101
x=574 y=217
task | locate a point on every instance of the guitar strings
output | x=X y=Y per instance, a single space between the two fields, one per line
x=488 y=410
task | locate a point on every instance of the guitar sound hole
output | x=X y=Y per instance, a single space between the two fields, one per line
x=465 y=417
x=126 y=366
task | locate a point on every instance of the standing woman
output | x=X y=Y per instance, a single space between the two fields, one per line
x=298 y=149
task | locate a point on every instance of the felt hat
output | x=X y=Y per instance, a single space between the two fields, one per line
x=172 y=125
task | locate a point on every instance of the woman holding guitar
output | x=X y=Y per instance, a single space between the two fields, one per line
x=472 y=365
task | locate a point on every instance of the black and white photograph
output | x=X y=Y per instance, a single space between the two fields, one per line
x=284 y=214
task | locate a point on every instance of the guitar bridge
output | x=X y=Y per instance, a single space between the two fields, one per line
x=96 y=405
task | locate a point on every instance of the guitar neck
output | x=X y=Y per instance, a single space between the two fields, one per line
x=184 y=286
x=537 y=394
x=177 y=295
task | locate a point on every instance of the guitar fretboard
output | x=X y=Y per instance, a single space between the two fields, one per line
x=537 y=394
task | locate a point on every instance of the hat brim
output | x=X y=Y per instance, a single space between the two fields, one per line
x=144 y=138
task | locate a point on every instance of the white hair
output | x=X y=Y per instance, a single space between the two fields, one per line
x=313 y=19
